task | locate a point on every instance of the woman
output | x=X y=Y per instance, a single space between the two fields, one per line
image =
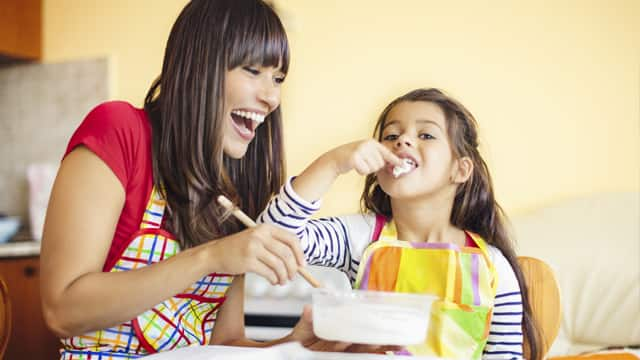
x=129 y=262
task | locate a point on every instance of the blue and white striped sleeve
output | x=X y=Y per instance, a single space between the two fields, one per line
x=505 y=333
x=324 y=241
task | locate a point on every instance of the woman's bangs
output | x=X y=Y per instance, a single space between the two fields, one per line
x=262 y=41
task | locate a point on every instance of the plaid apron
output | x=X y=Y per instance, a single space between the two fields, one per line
x=463 y=278
x=185 y=319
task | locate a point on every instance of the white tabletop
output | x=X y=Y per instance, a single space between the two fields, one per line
x=288 y=351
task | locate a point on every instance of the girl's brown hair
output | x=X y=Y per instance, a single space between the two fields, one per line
x=185 y=107
x=474 y=207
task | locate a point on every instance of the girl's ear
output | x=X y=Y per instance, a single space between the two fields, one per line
x=462 y=172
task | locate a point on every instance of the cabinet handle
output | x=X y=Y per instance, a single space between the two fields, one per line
x=30 y=271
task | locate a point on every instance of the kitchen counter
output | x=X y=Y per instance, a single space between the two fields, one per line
x=14 y=249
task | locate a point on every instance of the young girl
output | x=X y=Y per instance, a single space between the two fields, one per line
x=430 y=224
x=128 y=262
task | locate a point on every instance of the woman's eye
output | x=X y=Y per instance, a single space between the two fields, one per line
x=390 y=137
x=251 y=70
x=279 y=79
x=425 y=136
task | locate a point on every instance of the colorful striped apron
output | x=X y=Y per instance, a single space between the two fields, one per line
x=185 y=319
x=463 y=278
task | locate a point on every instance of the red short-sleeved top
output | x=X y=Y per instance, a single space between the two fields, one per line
x=120 y=135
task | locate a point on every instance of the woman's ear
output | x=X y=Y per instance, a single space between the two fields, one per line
x=462 y=172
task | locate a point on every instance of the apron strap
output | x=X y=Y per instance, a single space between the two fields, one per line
x=380 y=221
x=153 y=213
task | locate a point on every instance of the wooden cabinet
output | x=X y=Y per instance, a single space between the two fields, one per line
x=30 y=338
x=20 y=30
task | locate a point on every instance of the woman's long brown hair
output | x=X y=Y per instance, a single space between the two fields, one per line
x=185 y=107
x=474 y=207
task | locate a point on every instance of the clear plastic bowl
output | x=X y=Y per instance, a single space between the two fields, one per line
x=371 y=317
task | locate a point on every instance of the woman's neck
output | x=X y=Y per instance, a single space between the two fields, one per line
x=420 y=220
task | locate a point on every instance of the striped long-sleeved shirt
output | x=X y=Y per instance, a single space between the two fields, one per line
x=340 y=241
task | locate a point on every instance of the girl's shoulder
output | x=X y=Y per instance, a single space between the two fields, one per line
x=361 y=229
x=497 y=257
x=507 y=280
x=360 y=223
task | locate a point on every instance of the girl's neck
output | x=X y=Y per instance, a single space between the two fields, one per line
x=426 y=220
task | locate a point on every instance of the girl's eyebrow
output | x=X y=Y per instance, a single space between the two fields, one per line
x=418 y=121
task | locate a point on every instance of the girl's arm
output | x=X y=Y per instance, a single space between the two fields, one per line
x=334 y=241
x=366 y=157
x=85 y=205
x=505 y=334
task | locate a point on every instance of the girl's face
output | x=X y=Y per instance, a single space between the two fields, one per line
x=417 y=130
x=251 y=93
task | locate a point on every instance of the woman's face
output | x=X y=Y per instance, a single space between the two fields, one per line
x=251 y=93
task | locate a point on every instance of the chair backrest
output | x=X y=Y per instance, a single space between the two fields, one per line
x=544 y=298
x=5 y=318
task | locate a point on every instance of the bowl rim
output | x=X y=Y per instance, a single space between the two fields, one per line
x=364 y=294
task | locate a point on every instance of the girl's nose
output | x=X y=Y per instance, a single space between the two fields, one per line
x=403 y=140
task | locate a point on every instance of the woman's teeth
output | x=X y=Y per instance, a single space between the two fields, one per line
x=259 y=118
x=407 y=166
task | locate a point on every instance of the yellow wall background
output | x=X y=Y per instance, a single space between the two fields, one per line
x=554 y=84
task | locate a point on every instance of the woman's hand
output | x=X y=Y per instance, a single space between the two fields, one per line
x=364 y=156
x=303 y=333
x=266 y=250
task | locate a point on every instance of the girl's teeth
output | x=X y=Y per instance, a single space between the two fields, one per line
x=407 y=166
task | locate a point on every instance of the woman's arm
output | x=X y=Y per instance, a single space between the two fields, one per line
x=83 y=211
x=229 y=328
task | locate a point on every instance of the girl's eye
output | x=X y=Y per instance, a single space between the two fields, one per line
x=279 y=79
x=252 y=71
x=425 y=136
x=390 y=137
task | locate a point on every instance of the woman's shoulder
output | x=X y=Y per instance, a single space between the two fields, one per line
x=118 y=113
x=119 y=134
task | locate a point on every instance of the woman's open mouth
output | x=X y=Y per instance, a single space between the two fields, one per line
x=245 y=123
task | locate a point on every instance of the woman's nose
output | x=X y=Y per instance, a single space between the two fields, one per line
x=270 y=95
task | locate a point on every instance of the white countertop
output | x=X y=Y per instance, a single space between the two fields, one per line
x=20 y=249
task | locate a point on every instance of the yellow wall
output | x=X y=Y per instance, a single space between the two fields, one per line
x=554 y=84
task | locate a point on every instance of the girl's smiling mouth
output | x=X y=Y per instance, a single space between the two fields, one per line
x=407 y=166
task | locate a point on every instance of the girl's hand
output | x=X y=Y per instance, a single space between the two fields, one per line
x=364 y=156
x=266 y=250
x=303 y=333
